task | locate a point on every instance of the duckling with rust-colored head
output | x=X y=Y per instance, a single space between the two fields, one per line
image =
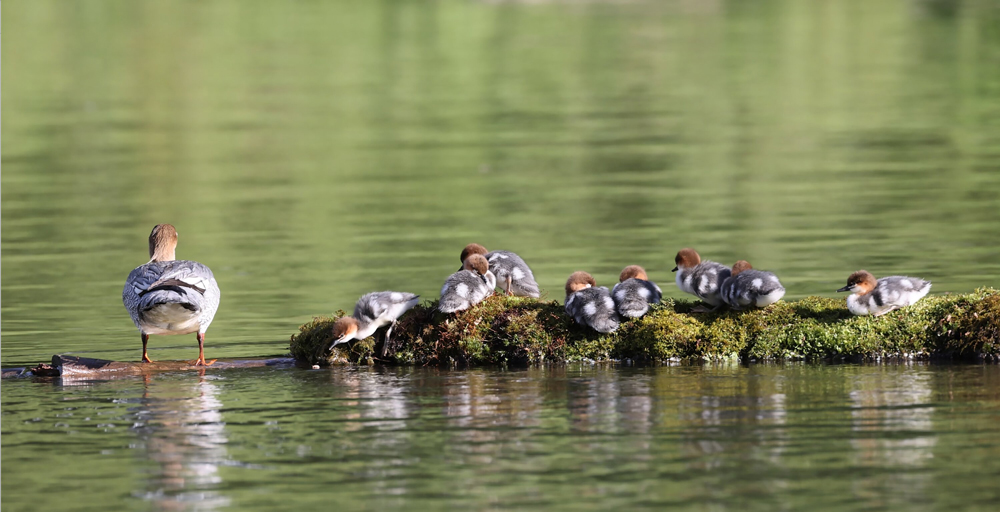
x=878 y=297
x=700 y=278
x=635 y=292
x=468 y=286
x=512 y=273
x=589 y=304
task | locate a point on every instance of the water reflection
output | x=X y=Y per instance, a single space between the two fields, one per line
x=892 y=421
x=181 y=431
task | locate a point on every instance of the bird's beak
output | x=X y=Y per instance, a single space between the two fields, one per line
x=674 y=270
x=845 y=289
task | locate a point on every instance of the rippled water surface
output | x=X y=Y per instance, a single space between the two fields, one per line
x=309 y=152
x=907 y=437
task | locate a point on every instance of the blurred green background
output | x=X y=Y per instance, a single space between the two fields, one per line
x=310 y=152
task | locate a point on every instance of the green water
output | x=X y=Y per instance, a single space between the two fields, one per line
x=795 y=437
x=310 y=152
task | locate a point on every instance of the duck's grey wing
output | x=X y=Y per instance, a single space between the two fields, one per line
x=707 y=279
x=187 y=283
x=462 y=290
x=373 y=305
x=595 y=308
x=506 y=264
x=633 y=296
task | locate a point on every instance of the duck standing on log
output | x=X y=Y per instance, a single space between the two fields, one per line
x=589 y=304
x=169 y=296
x=871 y=297
x=700 y=278
x=372 y=311
x=511 y=272
x=746 y=287
x=467 y=287
x=635 y=292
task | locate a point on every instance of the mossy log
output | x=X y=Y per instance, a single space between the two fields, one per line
x=518 y=331
x=85 y=367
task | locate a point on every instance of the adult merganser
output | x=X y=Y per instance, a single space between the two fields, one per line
x=468 y=286
x=511 y=272
x=589 y=304
x=635 y=292
x=168 y=296
x=746 y=287
x=700 y=278
x=871 y=297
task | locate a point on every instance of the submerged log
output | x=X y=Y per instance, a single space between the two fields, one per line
x=513 y=330
x=74 y=366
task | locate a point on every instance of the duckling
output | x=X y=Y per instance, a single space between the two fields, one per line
x=170 y=296
x=468 y=286
x=871 y=297
x=511 y=272
x=746 y=287
x=700 y=278
x=635 y=292
x=589 y=304
x=372 y=311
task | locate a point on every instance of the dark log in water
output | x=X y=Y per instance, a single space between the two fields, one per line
x=74 y=366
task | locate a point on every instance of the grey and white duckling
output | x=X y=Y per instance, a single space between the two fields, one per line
x=747 y=288
x=635 y=292
x=871 y=297
x=700 y=278
x=371 y=312
x=170 y=296
x=589 y=304
x=512 y=273
x=468 y=286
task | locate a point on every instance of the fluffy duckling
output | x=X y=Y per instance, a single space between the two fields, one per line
x=511 y=272
x=589 y=304
x=372 y=311
x=746 y=287
x=468 y=286
x=700 y=278
x=635 y=292
x=871 y=297
x=170 y=296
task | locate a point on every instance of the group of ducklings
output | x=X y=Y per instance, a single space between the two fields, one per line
x=169 y=296
x=739 y=287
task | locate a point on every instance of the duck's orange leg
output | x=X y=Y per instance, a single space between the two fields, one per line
x=201 y=353
x=145 y=357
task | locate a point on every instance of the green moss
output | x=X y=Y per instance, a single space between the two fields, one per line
x=519 y=331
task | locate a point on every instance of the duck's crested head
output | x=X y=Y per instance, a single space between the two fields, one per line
x=345 y=328
x=476 y=263
x=633 y=271
x=162 y=243
x=686 y=258
x=472 y=249
x=579 y=280
x=861 y=282
x=740 y=266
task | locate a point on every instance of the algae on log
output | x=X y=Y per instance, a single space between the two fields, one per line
x=514 y=330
